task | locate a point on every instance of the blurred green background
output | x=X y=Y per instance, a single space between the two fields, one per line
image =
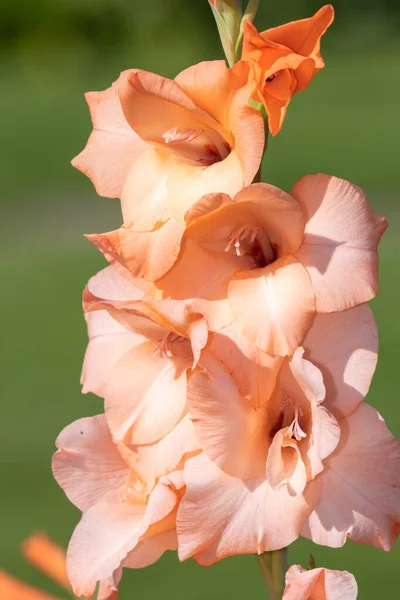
x=346 y=123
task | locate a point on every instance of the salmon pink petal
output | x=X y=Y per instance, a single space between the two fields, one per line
x=154 y=105
x=340 y=242
x=88 y=465
x=344 y=346
x=306 y=375
x=144 y=199
x=278 y=214
x=107 y=532
x=302 y=382
x=224 y=94
x=113 y=146
x=253 y=370
x=146 y=395
x=153 y=461
x=220 y=515
x=233 y=435
x=148 y=551
x=360 y=492
x=108 y=342
x=285 y=466
x=201 y=278
x=111 y=529
x=147 y=254
x=108 y=284
x=303 y=37
x=320 y=584
x=273 y=306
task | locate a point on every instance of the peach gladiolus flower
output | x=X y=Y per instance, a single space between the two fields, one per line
x=268 y=261
x=154 y=137
x=319 y=584
x=285 y=60
x=128 y=497
x=49 y=558
x=294 y=461
x=147 y=348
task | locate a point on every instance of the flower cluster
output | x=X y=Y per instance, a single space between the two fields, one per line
x=229 y=336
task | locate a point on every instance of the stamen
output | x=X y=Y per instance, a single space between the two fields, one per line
x=181 y=134
x=240 y=236
x=163 y=348
x=295 y=431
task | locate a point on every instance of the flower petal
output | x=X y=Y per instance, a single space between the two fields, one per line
x=285 y=466
x=108 y=342
x=220 y=515
x=340 y=243
x=201 y=278
x=302 y=36
x=224 y=94
x=113 y=146
x=253 y=370
x=344 y=346
x=146 y=395
x=321 y=584
x=273 y=306
x=87 y=465
x=360 y=495
x=233 y=435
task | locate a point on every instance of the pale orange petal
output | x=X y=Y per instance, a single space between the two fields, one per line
x=302 y=36
x=221 y=516
x=113 y=146
x=344 y=346
x=285 y=466
x=88 y=465
x=273 y=306
x=224 y=93
x=233 y=435
x=201 y=279
x=253 y=370
x=153 y=105
x=340 y=242
x=108 y=342
x=360 y=492
x=147 y=254
x=146 y=395
x=319 y=584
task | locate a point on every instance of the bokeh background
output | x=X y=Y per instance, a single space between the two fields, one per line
x=347 y=123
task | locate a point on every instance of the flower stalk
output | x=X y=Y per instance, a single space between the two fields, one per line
x=273 y=567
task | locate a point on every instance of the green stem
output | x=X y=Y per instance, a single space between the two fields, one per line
x=273 y=567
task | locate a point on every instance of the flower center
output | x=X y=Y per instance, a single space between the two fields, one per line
x=291 y=418
x=163 y=348
x=251 y=241
x=200 y=147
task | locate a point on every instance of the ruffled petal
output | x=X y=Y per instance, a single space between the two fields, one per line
x=221 y=516
x=113 y=146
x=360 y=496
x=233 y=435
x=273 y=306
x=319 y=584
x=146 y=395
x=224 y=93
x=344 y=346
x=147 y=254
x=108 y=342
x=87 y=464
x=340 y=242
